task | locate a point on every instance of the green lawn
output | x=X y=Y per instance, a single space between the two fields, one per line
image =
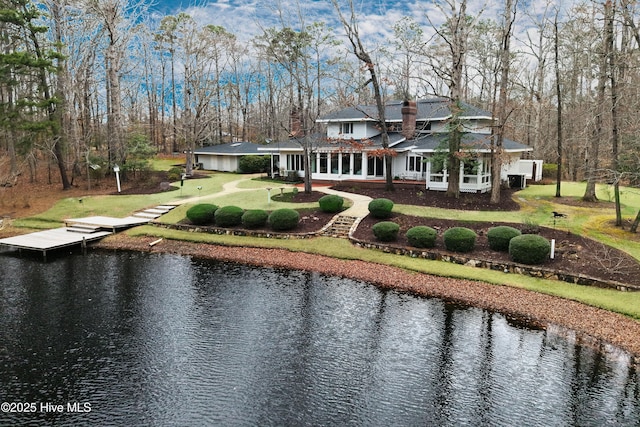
x=124 y=205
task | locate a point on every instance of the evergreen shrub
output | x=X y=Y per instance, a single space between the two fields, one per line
x=380 y=208
x=202 y=213
x=228 y=216
x=422 y=237
x=500 y=236
x=529 y=249
x=331 y=203
x=254 y=164
x=386 y=231
x=174 y=174
x=254 y=218
x=459 y=239
x=284 y=219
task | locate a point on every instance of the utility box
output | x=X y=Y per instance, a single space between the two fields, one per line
x=517 y=181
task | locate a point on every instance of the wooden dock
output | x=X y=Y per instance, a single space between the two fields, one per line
x=48 y=240
x=80 y=231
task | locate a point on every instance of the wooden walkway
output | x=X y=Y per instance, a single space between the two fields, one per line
x=80 y=231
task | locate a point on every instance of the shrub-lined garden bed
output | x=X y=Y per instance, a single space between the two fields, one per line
x=577 y=259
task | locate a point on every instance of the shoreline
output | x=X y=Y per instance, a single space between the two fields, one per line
x=592 y=326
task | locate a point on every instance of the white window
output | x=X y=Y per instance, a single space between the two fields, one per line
x=346 y=128
x=414 y=164
x=295 y=162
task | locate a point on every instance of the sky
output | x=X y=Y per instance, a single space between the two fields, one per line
x=247 y=18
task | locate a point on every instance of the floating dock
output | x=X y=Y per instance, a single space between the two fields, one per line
x=80 y=231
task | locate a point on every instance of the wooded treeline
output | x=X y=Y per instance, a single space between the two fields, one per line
x=86 y=84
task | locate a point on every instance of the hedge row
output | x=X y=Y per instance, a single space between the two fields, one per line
x=231 y=216
x=523 y=248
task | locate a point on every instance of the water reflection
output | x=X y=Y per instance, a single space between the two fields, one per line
x=166 y=340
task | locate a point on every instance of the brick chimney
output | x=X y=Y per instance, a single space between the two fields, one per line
x=295 y=125
x=409 y=113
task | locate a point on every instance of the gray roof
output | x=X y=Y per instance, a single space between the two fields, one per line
x=428 y=109
x=233 y=149
x=426 y=144
x=471 y=141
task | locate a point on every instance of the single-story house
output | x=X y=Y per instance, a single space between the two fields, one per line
x=225 y=157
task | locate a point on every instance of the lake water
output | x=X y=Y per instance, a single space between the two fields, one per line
x=147 y=339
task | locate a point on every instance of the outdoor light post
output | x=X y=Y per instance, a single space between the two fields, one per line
x=268 y=195
x=116 y=169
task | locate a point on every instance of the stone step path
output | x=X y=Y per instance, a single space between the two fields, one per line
x=340 y=227
x=153 y=213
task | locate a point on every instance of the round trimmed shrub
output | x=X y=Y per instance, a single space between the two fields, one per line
x=202 y=213
x=331 y=203
x=386 y=231
x=459 y=239
x=254 y=218
x=284 y=219
x=422 y=236
x=380 y=208
x=529 y=249
x=500 y=236
x=228 y=216
x=174 y=174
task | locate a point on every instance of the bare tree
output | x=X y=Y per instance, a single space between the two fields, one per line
x=455 y=35
x=559 y=100
x=597 y=134
x=502 y=113
x=609 y=16
x=350 y=25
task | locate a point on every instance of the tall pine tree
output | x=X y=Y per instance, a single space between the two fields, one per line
x=28 y=105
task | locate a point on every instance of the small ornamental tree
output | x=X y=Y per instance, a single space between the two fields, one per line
x=202 y=213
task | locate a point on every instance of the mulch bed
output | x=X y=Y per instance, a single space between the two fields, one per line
x=416 y=194
x=575 y=254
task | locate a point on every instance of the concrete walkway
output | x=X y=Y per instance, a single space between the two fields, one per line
x=359 y=208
